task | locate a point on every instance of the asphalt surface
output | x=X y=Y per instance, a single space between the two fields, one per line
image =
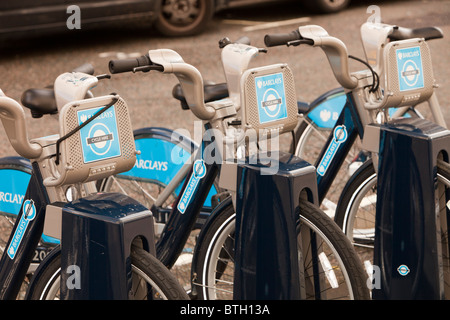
x=35 y=61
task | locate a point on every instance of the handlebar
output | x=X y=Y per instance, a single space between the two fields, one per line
x=317 y=36
x=130 y=65
x=169 y=61
x=12 y=116
x=280 y=39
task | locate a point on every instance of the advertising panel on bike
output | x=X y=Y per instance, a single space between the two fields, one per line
x=271 y=98
x=99 y=139
x=409 y=67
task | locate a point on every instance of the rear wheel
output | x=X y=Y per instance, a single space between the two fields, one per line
x=357 y=210
x=329 y=267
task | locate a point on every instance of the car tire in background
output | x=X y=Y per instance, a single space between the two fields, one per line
x=184 y=17
x=325 y=6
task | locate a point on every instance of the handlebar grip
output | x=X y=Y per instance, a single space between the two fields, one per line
x=85 y=68
x=272 y=40
x=127 y=65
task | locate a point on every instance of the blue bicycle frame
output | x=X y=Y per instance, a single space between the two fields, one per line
x=24 y=237
x=187 y=207
x=332 y=156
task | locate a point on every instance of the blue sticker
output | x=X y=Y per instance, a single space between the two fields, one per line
x=158 y=162
x=29 y=213
x=13 y=186
x=199 y=171
x=271 y=98
x=99 y=139
x=339 y=136
x=326 y=114
x=409 y=67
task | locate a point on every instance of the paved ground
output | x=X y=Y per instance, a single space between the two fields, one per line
x=36 y=62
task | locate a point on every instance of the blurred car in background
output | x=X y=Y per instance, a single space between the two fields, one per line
x=169 y=17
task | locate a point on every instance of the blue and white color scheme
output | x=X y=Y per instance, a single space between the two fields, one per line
x=29 y=213
x=339 y=136
x=409 y=67
x=403 y=270
x=13 y=186
x=326 y=114
x=99 y=139
x=271 y=98
x=199 y=171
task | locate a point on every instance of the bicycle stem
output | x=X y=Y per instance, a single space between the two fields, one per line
x=335 y=50
x=189 y=77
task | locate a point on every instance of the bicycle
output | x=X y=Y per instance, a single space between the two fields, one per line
x=354 y=110
x=177 y=227
x=15 y=172
x=310 y=141
x=355 y=212
x=206 y=273
x=49 y=184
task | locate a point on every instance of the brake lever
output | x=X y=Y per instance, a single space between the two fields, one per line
x=295 y=43
x=148 y=68
x=103 y=76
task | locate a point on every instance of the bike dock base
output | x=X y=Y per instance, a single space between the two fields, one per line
x=266 y=252
x=408 y=248
x=97 y=234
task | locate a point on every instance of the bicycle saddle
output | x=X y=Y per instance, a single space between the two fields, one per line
x=212 y=92
x=40 y=101
x=428 y=33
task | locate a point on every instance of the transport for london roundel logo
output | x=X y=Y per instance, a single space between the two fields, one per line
x=409 y=67
x=99 y=138
x=271 y=97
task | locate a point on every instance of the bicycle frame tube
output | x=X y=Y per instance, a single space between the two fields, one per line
x=186 y=210
x=24 y=237
x=173 y=184
x=337 y=146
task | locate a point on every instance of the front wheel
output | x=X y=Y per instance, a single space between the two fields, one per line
x=151 y=280
x=339 y=276
x=184 y=17
x=356 y=213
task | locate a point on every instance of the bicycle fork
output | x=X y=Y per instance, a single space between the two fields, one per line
x=408 y=247
x=24 y=237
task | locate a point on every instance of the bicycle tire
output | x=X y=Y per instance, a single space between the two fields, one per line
x=46 y=280
x=357 y=207
x=216 y=241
